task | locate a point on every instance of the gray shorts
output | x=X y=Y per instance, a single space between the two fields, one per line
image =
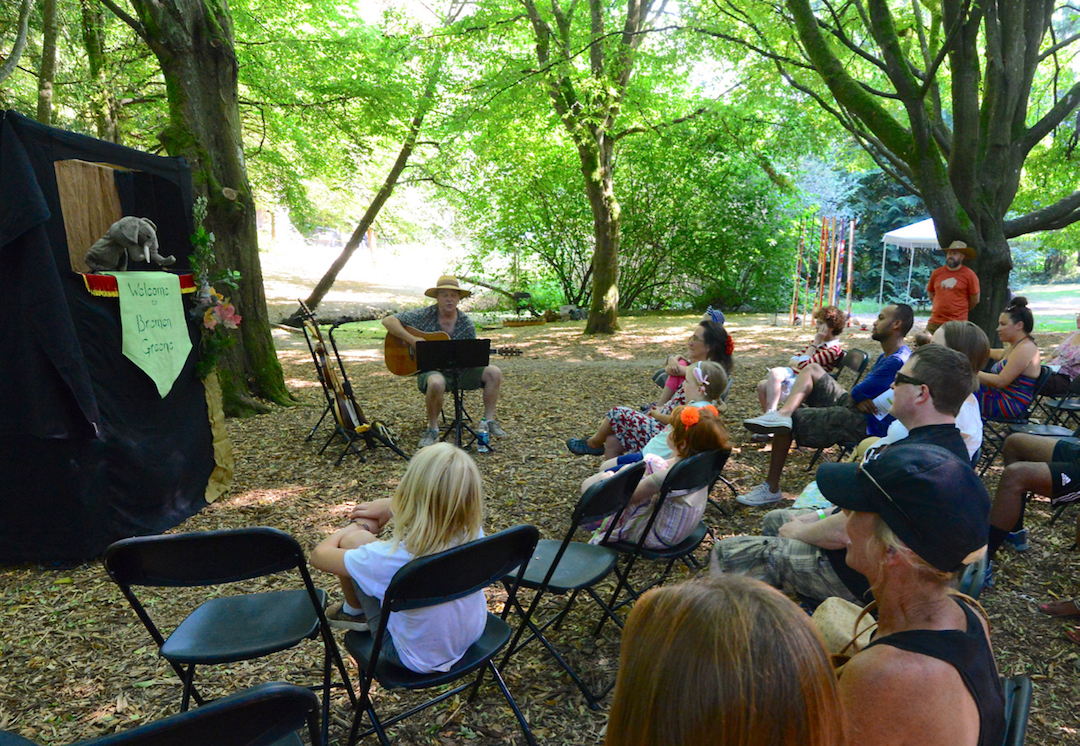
x=468 y=379
x=828 y=416
x=373 y=611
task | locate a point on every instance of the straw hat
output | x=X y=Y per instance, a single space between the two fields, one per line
x=968 y=251
x=447 y=282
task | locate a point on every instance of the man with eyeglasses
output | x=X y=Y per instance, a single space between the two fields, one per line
x=819 y=412
x=803 y=551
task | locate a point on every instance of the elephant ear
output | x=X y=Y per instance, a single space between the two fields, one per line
x=150 y=223
x=126 y=231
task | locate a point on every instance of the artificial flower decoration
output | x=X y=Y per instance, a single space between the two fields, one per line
x=690 y=416
x=711 y=409
x=222 y=313
x=730 y=346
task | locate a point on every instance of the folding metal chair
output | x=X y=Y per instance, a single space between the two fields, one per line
x=689 y=475
x=429 y=581
x=996 y=429
x=264 y=715
x=567 y=566
x=1063 y=410
x=1017 y=706
x=233 y=628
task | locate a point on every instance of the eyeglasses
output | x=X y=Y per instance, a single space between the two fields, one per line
x=914 y=526
x=901 y=378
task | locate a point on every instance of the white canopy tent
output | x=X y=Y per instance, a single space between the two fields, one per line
x=921 y=235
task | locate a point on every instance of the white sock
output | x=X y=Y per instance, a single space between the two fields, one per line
x=350 y=610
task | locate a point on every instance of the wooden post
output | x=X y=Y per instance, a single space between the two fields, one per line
x=798 y=272
x=850 y=264
x=823 y=255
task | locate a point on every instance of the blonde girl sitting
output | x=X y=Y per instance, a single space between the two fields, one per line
x=438 y=505
x=693 y=430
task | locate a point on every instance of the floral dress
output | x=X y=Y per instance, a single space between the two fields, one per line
x=634 y=429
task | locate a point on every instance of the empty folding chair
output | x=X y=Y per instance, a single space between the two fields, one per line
x=687 y=476
x=429 y=581
x=233 y=628
x=264 y=715
x=569 y=567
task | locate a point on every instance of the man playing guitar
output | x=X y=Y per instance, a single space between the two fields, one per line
x=445 y=317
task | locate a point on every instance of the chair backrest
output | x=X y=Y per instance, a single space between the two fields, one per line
x=202 y=558
x=727 y=389
x=1044 y=376
x=856 y=361
x=607 y=496
x=838 y=365
x=263 y=714
x=457 y=572
x=1017 y=706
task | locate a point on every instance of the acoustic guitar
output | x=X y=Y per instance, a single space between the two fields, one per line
x=400 y=356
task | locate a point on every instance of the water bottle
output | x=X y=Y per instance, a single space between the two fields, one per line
x=483 y=440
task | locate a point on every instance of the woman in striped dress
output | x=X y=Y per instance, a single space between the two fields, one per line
x=1009 y=386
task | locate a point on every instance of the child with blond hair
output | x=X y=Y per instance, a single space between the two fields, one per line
x=438 y=505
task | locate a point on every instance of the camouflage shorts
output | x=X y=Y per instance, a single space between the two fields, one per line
x=827 y=417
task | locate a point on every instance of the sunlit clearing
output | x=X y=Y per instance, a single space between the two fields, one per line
x=262 y=497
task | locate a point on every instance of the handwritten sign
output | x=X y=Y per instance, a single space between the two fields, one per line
x=152 y=317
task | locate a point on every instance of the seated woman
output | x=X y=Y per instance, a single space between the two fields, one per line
x=917 y=514
x=692 y=431
x=1009 y=386
x=625 y=429
x=727 y=660
x=1065 y=362
x=824 y=349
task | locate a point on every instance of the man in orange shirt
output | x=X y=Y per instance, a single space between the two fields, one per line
x=954 y=288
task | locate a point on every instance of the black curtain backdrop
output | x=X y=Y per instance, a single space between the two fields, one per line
x=89 y=452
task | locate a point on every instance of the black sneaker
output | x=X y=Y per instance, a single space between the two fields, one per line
x=339 y=619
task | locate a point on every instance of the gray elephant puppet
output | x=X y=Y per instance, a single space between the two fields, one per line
x=128 y=237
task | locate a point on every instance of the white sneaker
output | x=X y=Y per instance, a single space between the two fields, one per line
x=496 y=429
x=769 y=422
x=428 y=438
x=760 y=495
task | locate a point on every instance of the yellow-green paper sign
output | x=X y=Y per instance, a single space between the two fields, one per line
x=152 y=317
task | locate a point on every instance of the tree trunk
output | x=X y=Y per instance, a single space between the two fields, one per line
x=193 y=41
x=604 y=308
x=423 y=106
x=992 y=265
x=47 y=72
x=103 y=106
x=20 y=41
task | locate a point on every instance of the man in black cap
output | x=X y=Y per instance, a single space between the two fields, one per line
x=917 y=515
x=804 y=551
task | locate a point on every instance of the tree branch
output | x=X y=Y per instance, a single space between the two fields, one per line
x=1052 y=119
x=1058 y=215
x=20 y=41
x=137 y=27
x=657 y=127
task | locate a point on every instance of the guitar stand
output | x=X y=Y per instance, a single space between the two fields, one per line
x=451 y=357
x=348 y=418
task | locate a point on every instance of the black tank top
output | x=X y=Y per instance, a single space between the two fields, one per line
x=969 y=653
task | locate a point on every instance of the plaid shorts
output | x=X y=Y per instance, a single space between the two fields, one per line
x=828 y=416
x=791 y=565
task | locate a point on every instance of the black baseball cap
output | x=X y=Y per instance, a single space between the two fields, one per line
x=932 y=500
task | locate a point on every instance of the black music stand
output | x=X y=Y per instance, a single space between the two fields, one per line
x=450 y=357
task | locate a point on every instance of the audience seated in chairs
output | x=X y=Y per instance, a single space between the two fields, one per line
x=692 y=431
x=824 y=350
x=818 y=412
x=1041 y=466
x=804 y=551
x=626 y=430
x=918 y=514
x=723 y=661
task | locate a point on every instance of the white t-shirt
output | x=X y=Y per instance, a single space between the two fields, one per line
x=429 y=639
x=968 y=422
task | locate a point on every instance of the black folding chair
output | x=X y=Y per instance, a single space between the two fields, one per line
x=1063 y=410
x=264 y=715
x=689 y=475
x=567 y=566
x=1017 y=707
x=433 y=580
x=996 y=429
x=228 y=628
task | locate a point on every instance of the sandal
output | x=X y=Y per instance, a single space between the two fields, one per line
x=581 y=447
x=1073 y=634
x=1066 y=607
